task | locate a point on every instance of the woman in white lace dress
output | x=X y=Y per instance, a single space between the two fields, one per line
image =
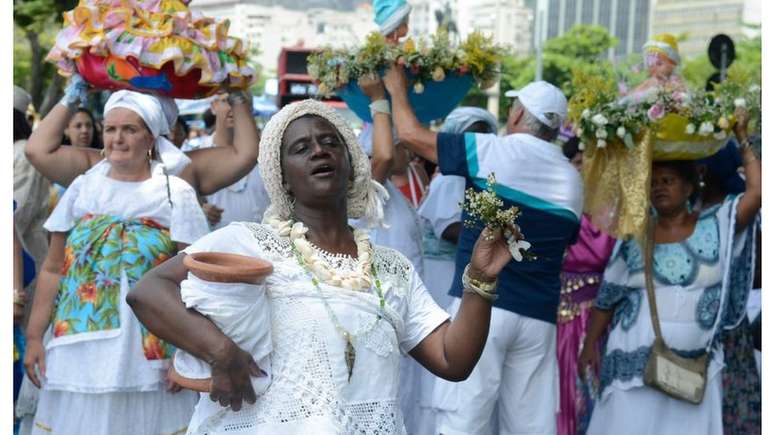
x=101 y=372
x=343 y=310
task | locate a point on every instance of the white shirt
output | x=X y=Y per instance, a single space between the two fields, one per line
x=117 y=363
x=244 y=201
x=311 y=391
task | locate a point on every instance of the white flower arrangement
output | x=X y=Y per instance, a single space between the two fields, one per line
x=486 y=207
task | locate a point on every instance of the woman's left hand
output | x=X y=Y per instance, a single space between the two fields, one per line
x=371 y=85
x=491 y=254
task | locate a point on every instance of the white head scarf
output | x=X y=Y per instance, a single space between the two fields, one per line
x=150 y=110
x=463 y=117
x=365 y=197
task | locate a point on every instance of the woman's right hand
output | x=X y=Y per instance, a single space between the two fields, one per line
x=231 y=372
x=589 y=356
x=35 y=356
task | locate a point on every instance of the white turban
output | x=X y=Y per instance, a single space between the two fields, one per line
x=463 y=117
x=365 y=197
x=150 y=110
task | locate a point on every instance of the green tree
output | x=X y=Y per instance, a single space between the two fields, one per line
x=36 y=22
x=582 y=47
x=697 y=70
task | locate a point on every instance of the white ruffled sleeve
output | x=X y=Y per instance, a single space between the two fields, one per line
x=63 y=218
x=188 y=223
x=422 y=316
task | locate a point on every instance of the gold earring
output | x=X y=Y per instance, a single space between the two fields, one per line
x=102 y=152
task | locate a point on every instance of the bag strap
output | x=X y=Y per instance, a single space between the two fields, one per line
x=649 y=242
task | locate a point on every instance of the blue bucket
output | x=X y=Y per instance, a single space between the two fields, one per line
x=437 y=101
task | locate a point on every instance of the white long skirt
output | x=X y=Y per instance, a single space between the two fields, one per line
x=119 y=413
x=645 y=411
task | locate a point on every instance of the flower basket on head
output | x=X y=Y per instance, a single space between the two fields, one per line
x=150 y=46
x=440 y=75
x=621 y=137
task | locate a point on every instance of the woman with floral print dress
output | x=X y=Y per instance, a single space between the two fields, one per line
x=702 y=273
x=102 y=372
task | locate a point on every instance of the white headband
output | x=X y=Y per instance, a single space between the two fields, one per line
x=150 y=110
x=365 y=197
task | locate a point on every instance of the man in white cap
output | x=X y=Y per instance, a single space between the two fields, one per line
x=518 y=368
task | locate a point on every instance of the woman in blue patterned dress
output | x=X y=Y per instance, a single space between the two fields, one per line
x=702 y=272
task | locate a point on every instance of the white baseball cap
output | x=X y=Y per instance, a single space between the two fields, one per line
x=540 y=98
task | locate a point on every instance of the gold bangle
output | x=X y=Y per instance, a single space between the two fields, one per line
x=484 y=289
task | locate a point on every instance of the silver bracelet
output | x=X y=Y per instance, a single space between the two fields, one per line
x=380 y=106
x=238 y=96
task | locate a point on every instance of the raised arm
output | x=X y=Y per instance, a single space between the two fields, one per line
x=46 y=290
x=212 y=169
x=59 y=163
x=453 y=349
x=750 y=203
x=156 y=301
x=418 y=139
x=383 y=149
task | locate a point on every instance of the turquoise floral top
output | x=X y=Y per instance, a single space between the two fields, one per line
x=700 y=281
x=98 y=250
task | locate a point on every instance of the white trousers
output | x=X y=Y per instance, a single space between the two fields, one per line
x=517 y=372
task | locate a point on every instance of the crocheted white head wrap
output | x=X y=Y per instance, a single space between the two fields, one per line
x=365 y=197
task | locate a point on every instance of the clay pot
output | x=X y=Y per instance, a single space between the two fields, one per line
x=227 y=268
x=200 y=385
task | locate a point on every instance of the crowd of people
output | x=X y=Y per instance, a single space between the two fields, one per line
x=392 y=311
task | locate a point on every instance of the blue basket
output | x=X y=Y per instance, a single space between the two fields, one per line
x=437 y=101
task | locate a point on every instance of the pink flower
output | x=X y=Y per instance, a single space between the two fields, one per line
x=622 y=88
x=656 y=112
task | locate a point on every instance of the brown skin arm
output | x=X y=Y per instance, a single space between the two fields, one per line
x=59 y=163
x=453 y=349
x=418 y=139
x=382 y=158
x=590 y=353
x=212 y=169
x=156 y=301
x=46 y=290
x=750 y=203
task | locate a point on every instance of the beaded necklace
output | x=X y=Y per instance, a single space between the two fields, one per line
x=349 y=352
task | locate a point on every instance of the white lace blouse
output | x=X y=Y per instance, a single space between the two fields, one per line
x=310 y=391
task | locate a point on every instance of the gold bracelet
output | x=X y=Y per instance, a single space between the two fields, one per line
x=484 y=289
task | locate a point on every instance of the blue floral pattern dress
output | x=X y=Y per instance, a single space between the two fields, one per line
x=701 y=286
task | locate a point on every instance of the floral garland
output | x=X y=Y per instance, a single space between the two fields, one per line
x=477 y=55
x=311 y=261
x=358 y=280
x=601 y=117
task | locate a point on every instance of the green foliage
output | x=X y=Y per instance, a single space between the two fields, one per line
x=583 y=47
x=697 y=70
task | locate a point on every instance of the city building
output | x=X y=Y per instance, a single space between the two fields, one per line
x=698 y=21
x=269 y=28
x=509 y=22
x=627 y=20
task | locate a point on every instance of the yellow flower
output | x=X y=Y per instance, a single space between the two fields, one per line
x=438 y=74
x=723 y=122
